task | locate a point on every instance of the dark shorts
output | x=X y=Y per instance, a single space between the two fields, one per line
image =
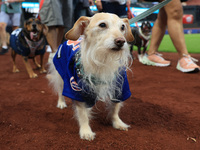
x=115 y=8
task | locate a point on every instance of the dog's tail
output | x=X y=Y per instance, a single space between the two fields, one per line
x=55 y=80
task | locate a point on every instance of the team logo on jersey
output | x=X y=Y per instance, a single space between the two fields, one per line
x=74 y=44
x=74 y=85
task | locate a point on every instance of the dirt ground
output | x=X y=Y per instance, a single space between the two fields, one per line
x=163 y=111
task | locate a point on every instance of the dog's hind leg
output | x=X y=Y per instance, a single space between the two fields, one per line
x=83 y=116
x=13 y=54
x=116 y=121
x=61 y=101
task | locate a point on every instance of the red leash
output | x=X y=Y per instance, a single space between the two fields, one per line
x=40 y=6
x=130 y=15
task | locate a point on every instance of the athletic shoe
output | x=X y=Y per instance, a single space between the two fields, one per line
x=3 y=51
x=155 y=60
x=187 y=64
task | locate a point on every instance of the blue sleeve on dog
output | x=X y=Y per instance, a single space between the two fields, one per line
x=64 y=62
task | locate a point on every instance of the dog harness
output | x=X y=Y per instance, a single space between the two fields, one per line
x=67 y=63
x=20 y=49
x=145 y=39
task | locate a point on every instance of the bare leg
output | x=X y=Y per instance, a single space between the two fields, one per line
x=170 y=15
x=175 y=26
x=158 y=31
x=3 y=35
x=54 y=37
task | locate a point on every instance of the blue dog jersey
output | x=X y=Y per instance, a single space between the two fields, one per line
x=65 y=64
x=19 y=48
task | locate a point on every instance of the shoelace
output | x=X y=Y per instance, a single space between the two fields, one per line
x=159 y=55
x=190 y=60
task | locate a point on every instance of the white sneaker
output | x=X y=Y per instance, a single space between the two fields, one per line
x=187 y=64
x=155 y=60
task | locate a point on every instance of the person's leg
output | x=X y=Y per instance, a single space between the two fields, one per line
x=60 y=35
x=3 y=34
x=158 y=31
x=4 y=18
x=174 y=12
x=52 y=38
x=175 y=27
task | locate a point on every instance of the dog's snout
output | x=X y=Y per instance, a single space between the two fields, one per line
x=119 y=42
x=34 y=26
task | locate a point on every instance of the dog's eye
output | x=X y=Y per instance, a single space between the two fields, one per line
x=102 y=25
x=38 y=22
x=28 y=22
x=123 y=27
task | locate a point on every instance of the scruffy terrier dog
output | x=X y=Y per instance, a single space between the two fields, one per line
x=142 y=36
x=91 y=66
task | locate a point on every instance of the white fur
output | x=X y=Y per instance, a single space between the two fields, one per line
x=99 y=60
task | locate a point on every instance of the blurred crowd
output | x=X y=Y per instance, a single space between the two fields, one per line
x=60 y=15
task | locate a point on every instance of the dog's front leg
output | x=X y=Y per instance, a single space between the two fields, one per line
x=14 y=54
x=42 y=69
x=139 y=54
x=29 y=68
x=83 y=116
x=144 y=50
x=116 y=121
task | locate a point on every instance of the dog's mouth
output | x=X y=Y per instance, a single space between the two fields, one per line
x=116 y=48
x=34 y=35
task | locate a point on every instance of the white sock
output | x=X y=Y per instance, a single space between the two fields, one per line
x=5 y=47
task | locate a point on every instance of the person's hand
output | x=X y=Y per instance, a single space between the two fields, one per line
x=99 y=5
x=128 y=3
x=91 y=2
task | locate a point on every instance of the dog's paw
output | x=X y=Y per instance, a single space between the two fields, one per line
x=61 y=104
x=43 y=71
x=33 y=75
x=15 y=70
x=118 y=124
x=87 y=134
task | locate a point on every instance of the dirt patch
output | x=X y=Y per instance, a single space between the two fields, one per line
x=163 y=112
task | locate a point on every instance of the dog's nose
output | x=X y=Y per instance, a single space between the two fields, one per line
x=119 y=41
x=34 y=26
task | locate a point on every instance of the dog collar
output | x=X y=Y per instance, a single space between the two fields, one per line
x=33 y=45
x=80 y=70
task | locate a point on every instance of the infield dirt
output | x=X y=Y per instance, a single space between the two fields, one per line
x=163 y=111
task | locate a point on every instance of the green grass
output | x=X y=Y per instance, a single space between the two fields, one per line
x=192 y=43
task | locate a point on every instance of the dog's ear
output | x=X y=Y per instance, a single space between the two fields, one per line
x=25 y=24
x=78 y=28
x=128 y=35
x=45 y=29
